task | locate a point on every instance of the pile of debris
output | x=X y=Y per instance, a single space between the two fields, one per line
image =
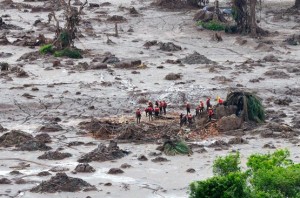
x=23 y=141
x=103 y=153
x=61 y=182
x=196 y=58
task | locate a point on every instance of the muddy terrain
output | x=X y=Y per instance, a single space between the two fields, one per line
x=58 y=116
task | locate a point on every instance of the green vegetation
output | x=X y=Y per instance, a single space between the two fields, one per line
x=267 y=176
x=67 y=52
x=229 y=164
x=212 y=25
x=174 y=148
x=47 y=49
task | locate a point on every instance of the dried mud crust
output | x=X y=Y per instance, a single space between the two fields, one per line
x=104 y=153
x=62 y=182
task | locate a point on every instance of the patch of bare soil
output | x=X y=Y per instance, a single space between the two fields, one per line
x=62 y=182
x=54 y=155
x=103 y=153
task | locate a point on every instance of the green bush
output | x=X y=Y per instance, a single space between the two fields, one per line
x=212 y=25
x=232 y=185
x=256 y=110
x=67 y=52
x=228 y=164
x=268 y=176
x=47 y=49
x=176 y=147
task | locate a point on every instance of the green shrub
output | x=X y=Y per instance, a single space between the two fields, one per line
x=47 y=49
x=268 y=176
x=177 y=147
x=228 y=164
x=232 y=185
x=256 y=110
x=212 y=25
x=67 y=52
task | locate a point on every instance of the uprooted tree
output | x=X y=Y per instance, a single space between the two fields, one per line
x=63 y=42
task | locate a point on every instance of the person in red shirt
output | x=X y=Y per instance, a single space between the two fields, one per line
x=198 y=111
x=188 y=108
x=138 y=116
x=156 y=111
x=165 y=107
x=201 y=107
x=161 y=104
x=190 y=119
x=150 y=104
x=220 y=101
x=210 y=113
x=150 y=113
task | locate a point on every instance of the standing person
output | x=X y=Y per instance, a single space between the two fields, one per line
x=201 y=106
x=156 y=103
x=138 y=116
x=161 y=107
x=219 y=100
x=150 y=104
x=210 y=113
x=188 y=108
x=183 y=119
x=190 y=119
x=165 y=107
x=150 y=113
x=208 y=103
x=198 y=111
x=156 y=111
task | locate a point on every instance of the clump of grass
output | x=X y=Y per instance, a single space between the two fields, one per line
x=176 y=147
x=47 y=49
x=212 y=25
x=67 y=52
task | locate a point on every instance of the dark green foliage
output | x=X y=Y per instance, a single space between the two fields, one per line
x=228 y=164
x=231 y=29
x=253 y=107
x=256 y=110
x=47 y=49
x=232 y=185
x=65 y=39
x=212 y=25
x=268 y=176
x=67 y=52
x=176 y=147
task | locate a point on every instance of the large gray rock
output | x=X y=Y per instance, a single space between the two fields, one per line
x=222 y=111
x=228 y=123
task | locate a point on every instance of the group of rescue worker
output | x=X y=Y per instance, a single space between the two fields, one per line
x=161 y=106
x=159 y=109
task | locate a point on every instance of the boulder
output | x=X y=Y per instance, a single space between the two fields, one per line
x=222 y=111
x=115 y=171
x=228 y=123
x=84 y=168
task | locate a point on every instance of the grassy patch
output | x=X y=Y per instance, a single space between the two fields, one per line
x=47 y=49
x=71 y=53
x=212 y=25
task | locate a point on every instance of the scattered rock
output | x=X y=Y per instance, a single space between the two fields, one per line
x=115 y=171
x=238 y=140
x=269 y=145
x=43 y=174
x=241 y=41
x=191 y=170
x=103 y=153
x=196 y=58
x=5 y=181
x=149 y=44
x=110 y=58
x=75 y=143
x=50 y=127
x=15 y=172
x=34 y=145
x=283 y=101
x=56 y=169
x=128 y=64
x=222 y=79
x=2 y=129
x=84 y=168
x=14 y=138
x=54 y=155
x=43 y=137
x=20 y=181
x=98 y=66
x=270 y=58
x=277 y=74
x=293 y=40
x=142 y=158
x=278 y=127
x=133 y=11
x=219 y=144
x=160 y=159
x=173 y=76
x=223 y=110
x=108 y=184
x=126 y=166
x=116 y=18
x=228 y=123
x=61 y=182
x=28 y=96
x=168 y=47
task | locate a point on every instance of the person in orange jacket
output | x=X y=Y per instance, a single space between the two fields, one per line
x=219 y=100
x=208 y=103
x=150 y=113
x=201 y=107
x=210 y=113
x=138 y=116
x=165 y=107
x=156 y=111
